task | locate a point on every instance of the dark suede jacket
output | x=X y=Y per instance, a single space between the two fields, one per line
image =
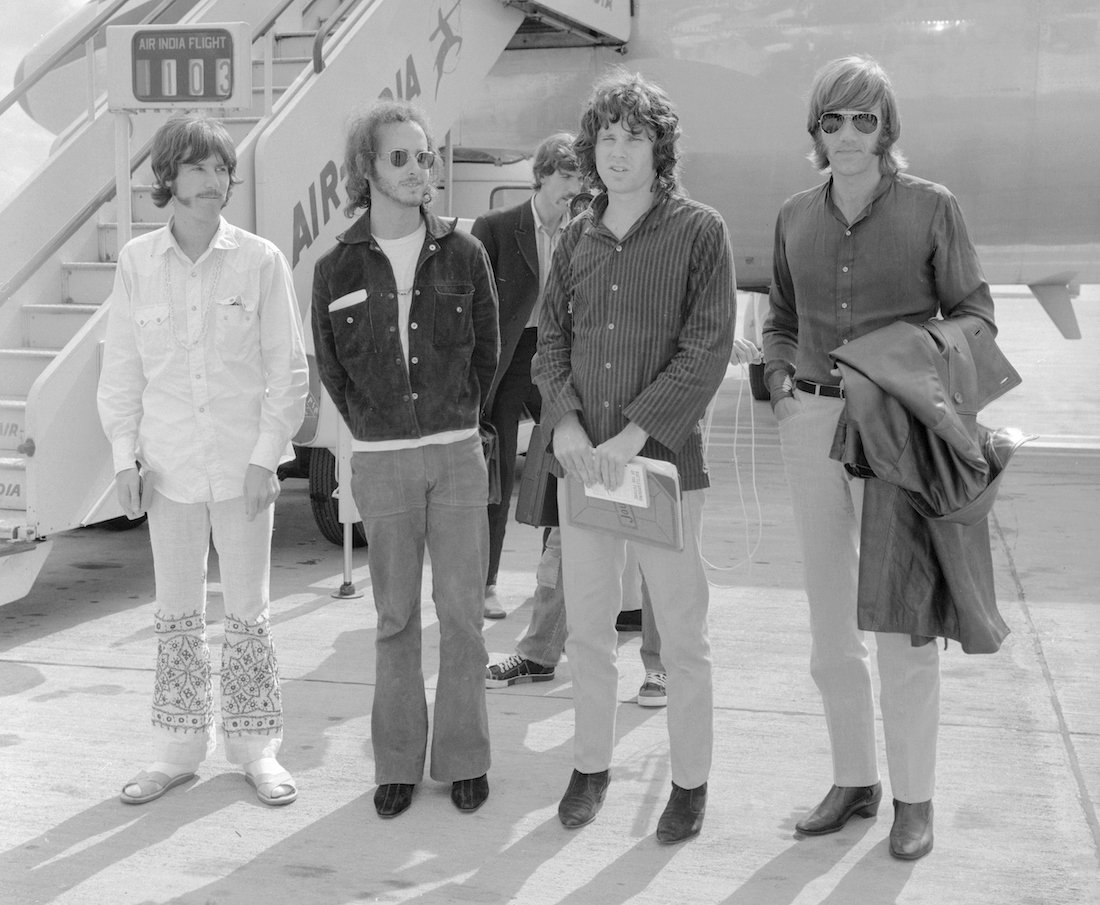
x=453 y=334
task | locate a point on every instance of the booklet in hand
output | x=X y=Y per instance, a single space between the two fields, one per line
x=644 y=508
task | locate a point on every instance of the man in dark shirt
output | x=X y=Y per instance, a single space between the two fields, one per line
x=869 y=247
x=635 y=334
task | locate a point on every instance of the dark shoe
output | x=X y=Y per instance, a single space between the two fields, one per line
x=911 y=835
x=583 y=798
x=514 y=670
x=629 y=621
x=470 y=794
x=683 y=816
x=392 y=798
x=837 y=808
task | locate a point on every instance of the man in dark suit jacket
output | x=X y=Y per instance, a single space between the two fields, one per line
x=520 y=241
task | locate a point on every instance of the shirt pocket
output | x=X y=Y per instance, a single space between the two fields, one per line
x=454 y=323
x=236 y=315
x=152 y=327
x=352 y=332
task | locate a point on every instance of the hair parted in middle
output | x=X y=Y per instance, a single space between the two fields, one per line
x=641 y=106
x=554 y=153
x=188 y=138
x=856 y=83
x=362 y=147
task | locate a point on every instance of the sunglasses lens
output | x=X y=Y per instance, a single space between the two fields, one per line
x=865 y=122
x=425 y=159
x=399 y=157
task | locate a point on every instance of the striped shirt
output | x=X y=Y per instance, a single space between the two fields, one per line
x=640 y=329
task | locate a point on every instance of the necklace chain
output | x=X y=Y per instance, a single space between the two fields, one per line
x=182 y=343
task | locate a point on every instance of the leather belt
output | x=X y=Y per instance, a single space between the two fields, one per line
x=819 y=389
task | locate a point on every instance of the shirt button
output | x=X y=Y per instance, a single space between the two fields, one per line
x=412 y=326
x=618 y=248
x=391 y=295
x=392 y=328
x=607 y=405
x=614 y=287
x=398 y=360
x=847 y=232
x=608 y=365
x=405 y=398
x=202 y=409
x=193 y=273
x=610 y=326
x=193 y=307
x=416 y=395
x=416 y=292
x=844 y=342
x=415 y=360
x=459 y=309
x=845 y=269
x=351 y=320
x=843 y=304
x=958 y=397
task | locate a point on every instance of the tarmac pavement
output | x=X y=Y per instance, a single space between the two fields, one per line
x=1019 y=751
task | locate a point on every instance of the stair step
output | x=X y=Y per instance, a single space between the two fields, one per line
x=285 y=70
x=19 y=368
x=52 y=326
x=13 y=482
x=86 y=283
x=13 y=420
x=108 y=237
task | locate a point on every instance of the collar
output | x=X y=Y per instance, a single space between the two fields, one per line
x=884 y=183
x=652 y=217
x=359 y=232
x=539 y=225
x=224 y=238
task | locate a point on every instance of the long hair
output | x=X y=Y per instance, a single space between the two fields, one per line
x=361 y=148
x=856 y=83
x=640 y=106
x=189 y=138
x=554 y=153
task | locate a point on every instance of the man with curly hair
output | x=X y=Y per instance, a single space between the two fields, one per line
x=405 y=326
x=634 y=338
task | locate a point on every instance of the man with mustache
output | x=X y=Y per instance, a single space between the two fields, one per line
x=203 y=384
x=405 y=326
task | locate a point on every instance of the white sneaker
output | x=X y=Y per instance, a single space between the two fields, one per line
x=652 y=693
x=493 y=609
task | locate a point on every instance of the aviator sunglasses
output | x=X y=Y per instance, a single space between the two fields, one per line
x=833 y=122
x=424 y=159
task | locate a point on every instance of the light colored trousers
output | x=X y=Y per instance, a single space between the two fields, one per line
x=544 y=640
x=828 y=506
x=251 y=701
x=593 y=569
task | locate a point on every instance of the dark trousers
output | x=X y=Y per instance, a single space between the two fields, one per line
x=514 y=393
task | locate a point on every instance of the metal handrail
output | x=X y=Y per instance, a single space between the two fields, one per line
x=325 y=30
x=89 y=30
x=265 y=26
x=106 y=193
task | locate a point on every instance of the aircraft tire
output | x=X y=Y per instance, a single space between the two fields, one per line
x=326 y=509
x=756 y=383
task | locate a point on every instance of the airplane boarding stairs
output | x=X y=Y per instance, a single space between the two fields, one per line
x=59 y=234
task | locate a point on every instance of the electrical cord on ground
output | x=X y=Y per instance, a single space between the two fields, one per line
x=707 y=423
